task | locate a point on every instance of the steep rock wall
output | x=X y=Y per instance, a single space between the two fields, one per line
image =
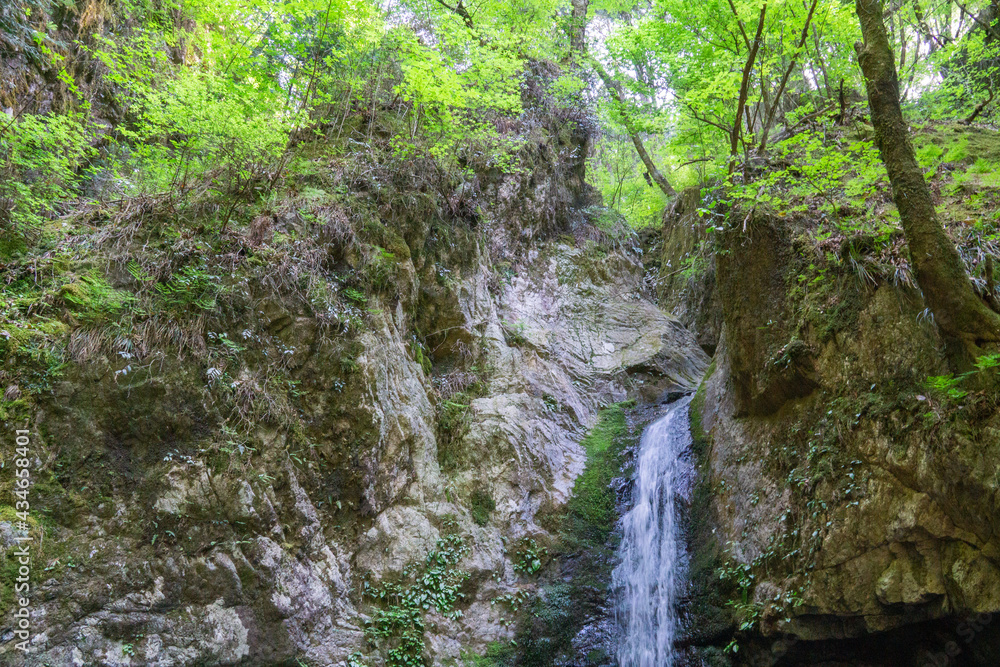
x=848 y=507
x=224 y=510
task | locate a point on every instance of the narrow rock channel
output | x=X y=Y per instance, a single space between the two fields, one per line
x=650 y=575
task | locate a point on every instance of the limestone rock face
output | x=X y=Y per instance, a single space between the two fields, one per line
x=215 y=545
x=865 y=504
x=685 y=269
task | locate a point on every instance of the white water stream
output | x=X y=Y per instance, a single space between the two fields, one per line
x=652 y=561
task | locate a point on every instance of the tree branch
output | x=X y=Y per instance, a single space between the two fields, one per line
x=784 y=81
x=734 y=136
x=461 y=11
x=739 y=22
x=922 y=25
x=690 y=162
x=578 y=26
x=985 y=26
x=615 y=90
x=708 y=121
x=979 y=109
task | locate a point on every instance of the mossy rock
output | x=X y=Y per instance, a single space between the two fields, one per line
x=573 y=586
x=707 y=618
x=10 y=523
x=754 y=276
x=481 y=506
x=91 y=299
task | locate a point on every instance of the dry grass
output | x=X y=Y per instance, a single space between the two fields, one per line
x=452 y=383
x=93 y=16
x=257 y=400
x=140 y=339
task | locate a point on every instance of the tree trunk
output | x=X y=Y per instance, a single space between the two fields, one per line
x=842 y=117
x=784 y=81
x=734 y=134
x=615 y=90
x=578 y=27
x=939 y=270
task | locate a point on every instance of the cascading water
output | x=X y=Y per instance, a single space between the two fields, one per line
x=652 y=561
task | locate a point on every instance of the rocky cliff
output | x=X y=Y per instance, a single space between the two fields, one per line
x=384 y=415
x=847 y=499
x=347 y=434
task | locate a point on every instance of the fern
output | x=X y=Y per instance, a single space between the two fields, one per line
x=191 y=287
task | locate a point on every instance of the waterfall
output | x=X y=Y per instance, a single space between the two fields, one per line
x=650 y=573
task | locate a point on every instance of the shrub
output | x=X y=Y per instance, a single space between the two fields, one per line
x=40 y=157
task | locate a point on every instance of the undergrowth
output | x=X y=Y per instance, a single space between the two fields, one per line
x=397 y=623
x=832 y=189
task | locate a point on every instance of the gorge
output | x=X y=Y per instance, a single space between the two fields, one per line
x=419 y=334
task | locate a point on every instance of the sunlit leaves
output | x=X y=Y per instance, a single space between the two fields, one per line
x=40 y=157
x=464 y=64
x=682 y=64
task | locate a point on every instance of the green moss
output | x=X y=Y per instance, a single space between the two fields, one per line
x=958 y=143
x=9 y=563
x=585 y=552
x=830 y=295
x=91 y=299
x=591 y=512
x=12 y=243
x=16 y=411
x=14 y=337
x=421 y=355
x=453 y=421
x=707 y=605
x=395 y=244
x=481 y=506
x=31 y=355
x=699 y=438
x=497 y=655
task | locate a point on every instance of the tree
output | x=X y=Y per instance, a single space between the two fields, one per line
x=752 y=48
x=578 y=47
x=937 y=265
x=615 y=90
x=578 y=26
